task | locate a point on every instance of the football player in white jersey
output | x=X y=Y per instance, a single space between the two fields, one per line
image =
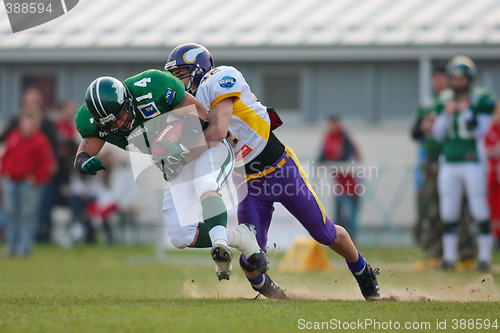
x=273 y=172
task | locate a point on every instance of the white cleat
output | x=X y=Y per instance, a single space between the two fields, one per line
x=222 y=257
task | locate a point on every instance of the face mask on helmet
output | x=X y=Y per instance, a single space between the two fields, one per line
x=108 y=123
x=194 y=73
x=461 y=71
x=195 y=58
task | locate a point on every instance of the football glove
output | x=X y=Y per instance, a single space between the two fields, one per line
x=92 y=165
x=171 y=164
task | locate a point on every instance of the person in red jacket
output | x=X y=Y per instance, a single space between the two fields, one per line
x=492 y=148
x=27 y=163
x=339 y=149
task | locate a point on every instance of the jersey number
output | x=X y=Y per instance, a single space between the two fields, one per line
x=459 y=130
x=143 y=83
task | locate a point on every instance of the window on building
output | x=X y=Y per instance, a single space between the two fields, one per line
x=282 y=91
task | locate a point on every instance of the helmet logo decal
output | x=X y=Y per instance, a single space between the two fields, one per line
x=98 y=97
x=120 y=91
x=190 y=56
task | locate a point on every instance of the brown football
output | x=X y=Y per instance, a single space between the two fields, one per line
x=171 y=133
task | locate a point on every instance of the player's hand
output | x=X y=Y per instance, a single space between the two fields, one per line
x=175 y=155
x=451 y=107
x=92 y=165
x=427 y=122
x=463 y=104
x=170 y=172
x=171 y=164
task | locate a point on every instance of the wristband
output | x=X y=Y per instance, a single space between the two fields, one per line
x=80 y=160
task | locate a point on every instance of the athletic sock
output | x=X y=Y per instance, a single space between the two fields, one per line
x=450 y=247
x=203 y=239
x=257 y=282
x=240 y=242
x=215 y=217
x=357 y=267
x=485 y=245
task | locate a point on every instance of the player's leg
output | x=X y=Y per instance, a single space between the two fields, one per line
x=182 y=235
x=213 y=168
x=11 y=206
x=475 y=188
x=300 y=200
x=494 y=205
x=30 y=199
x=450 y=196
x=254 y=210
x=434 y=228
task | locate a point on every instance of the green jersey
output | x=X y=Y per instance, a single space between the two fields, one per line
x=431 y=146
x=460 y=141
x=154 y=93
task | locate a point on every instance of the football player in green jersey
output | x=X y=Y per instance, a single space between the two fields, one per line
x=114 y=112
x=464 y=115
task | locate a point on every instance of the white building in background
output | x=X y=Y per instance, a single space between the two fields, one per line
x=368 y=60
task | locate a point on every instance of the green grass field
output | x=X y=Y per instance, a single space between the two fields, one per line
x=125 y=289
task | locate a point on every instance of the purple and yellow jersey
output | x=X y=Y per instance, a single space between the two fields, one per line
x=250 y=124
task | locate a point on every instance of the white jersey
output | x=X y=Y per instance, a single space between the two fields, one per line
x=250 y=124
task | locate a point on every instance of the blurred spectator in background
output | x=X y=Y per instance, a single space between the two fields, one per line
x=339 y=148
x=428 y=229
x=65 y=121
x=492 y=147
x=28 y=163
x=113 y=193
x=32 y=97
x=463 y=118
x=58 y=192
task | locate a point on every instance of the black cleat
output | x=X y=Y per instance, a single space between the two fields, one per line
x=448 y=266
x=483 y=267
x=271 y=289
x=258 y=260
x=368 y=283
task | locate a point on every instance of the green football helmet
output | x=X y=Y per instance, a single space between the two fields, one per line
x=108 y=100
x=461 y=66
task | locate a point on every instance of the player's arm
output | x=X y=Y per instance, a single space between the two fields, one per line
x=194 y=114
x=197 y=108
x=416 y=132
x=86 y=161
x=440 y=126
x=220 y=118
